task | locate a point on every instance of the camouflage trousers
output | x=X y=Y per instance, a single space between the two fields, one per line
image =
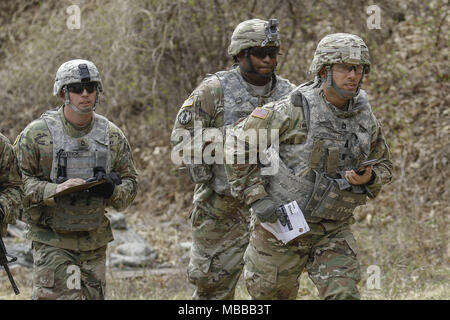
x=272 y=269
x=219 y=239
x=60 y=274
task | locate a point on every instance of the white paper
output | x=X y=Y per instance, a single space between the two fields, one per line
x=296 y=224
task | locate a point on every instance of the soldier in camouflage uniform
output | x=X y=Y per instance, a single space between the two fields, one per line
x=220 y=222
x=326 y=130
x=11 y=194
x=63 y=148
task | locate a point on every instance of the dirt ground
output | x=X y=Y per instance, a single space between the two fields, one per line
x=167 y=280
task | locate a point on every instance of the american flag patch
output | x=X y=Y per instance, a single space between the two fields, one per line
x=260 y=113
x=188 y=103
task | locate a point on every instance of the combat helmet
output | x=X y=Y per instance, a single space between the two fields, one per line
x=254 y=33
x=340 y=48
x=77 y=71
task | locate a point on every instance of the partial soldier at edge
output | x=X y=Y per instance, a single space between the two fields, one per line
x=11 y=193
x=11 y=197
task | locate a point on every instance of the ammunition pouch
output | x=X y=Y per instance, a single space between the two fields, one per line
x=76 y=212
x=319 y=198
x=219 y=182
x=328 y=201
x=79 y=211
x=284 y=187
x=213 y=175
x=199 y=173
x=33 y=213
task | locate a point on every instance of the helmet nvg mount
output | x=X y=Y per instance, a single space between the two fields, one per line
x=271 y=31
x=254 y=33
x=340 y=48
x=77 y=71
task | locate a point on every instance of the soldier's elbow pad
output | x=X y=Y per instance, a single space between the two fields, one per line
x=199 y=173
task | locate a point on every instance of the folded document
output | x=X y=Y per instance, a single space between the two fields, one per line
x=295 y=223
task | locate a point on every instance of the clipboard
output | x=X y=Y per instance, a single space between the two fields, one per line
x=80 y=187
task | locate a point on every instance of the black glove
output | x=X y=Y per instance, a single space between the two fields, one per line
x=106 y=189
x=267 y=211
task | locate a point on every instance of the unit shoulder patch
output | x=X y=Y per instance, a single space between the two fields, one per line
x=185 y=117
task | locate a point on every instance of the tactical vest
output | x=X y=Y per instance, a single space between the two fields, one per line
x=239 y=102
x=312 y=173
x=76 y=158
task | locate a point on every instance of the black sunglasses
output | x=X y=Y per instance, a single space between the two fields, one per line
x=79 y=87
x=262 y=52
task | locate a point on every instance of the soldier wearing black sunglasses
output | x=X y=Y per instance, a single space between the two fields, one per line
x=256 y=55
x=60 y=154
x=262 y=52
x=257 y=64
x=80 y=87
x=216 y=260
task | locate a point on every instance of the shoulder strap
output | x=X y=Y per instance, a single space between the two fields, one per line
x=298 y=101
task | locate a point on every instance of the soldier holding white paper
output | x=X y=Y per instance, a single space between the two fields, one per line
x=326 y=131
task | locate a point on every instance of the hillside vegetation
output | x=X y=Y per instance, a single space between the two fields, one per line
x=152 y=54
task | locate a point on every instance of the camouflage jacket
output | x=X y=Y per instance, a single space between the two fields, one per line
x=11 y=193
x=35 y=152
x=287 y=116
x=206 y=106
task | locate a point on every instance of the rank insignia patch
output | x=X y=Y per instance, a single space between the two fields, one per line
x=188 y=103
x=185 y=117
x=260 y=113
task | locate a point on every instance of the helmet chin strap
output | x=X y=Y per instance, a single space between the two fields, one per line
x=251 y=69
x=344 y=94
x=75 y=108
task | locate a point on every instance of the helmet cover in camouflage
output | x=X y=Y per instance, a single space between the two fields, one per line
x=340 y=48
x=76 y=71
x=254 y=33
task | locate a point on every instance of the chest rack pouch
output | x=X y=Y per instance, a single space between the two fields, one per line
x=329 y=201
x=79 y=211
